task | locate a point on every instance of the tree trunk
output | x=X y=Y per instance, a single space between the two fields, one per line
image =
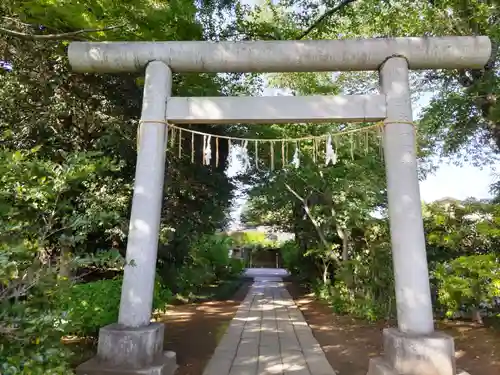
x=344 y=236
x=345 y=248
x=313 y=221
x=64 y=263
x=325 y=273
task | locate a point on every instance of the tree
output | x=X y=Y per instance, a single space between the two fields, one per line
x=321 y=204
x=463 y=116
x=455 y=228
x=468 y=282
x=68 y=156
x=61 y=111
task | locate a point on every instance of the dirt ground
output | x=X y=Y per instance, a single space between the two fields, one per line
x=194 y=330
x=349 y=343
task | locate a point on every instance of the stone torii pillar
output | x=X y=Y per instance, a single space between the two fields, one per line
x=134 y=345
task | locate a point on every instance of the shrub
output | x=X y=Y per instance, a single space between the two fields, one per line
x=89 y=306
x=30 y=331
x=215 y=251
x=236 y=266
x=75 y=309
x=191 y=277
x=363 y=287
x=291 y=257
x=467 y=282
x=297 y=263
x=49 y=212
x=208 y=262
x=344 y=300
x=30 y=341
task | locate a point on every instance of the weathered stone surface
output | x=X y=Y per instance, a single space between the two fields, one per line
x=275 y=339
x=411 y=354
x=131 y=347
x=449 y=52
x=317 y=363
x=378 y=366
x=125 y=350
x=218 y=365
x=432 y=354
x=164 y=364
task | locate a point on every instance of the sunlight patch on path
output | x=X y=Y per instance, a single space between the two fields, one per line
x=268 y=335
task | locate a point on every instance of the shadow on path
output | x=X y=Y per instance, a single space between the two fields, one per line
x=194 y=330
x=349 y=343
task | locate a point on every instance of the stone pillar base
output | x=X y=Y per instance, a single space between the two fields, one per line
x=407 y=354
x=123 y=350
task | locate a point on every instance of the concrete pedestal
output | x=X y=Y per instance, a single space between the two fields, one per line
x=124 y=350
x=412 y=354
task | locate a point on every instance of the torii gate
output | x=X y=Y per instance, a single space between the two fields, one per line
x=134 y=345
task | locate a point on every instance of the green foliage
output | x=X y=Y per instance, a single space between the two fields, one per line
x=70 y=309
x=47 y=207
x=58 y=204
x=456 y=228
x=214 y=250
x=211 y=254
x=207 y=262
x=36 y=360
x=30 y=335
x=467 y=282
x=33 y=322
x=89 y=306
x=96 y=116
x=292 y=259
x=249 y=238
x=364 y=290
x=364 y=285
x=252 y=240
x=137 y=20
x=64 y=197
x=68 y=155
x=236 y=267
x=302 y=264
x=192 y=277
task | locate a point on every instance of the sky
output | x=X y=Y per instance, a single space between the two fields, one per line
x=457 y=182
x=453 y=181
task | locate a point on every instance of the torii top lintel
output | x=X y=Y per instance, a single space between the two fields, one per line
x=454 y=52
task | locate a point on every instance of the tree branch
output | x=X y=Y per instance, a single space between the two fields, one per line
x=310 y=216
x=60 y=36
x=324 y=16
x=303 y=34
x=296 y=195
x=11 y=19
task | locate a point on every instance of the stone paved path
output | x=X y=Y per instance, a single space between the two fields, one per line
x=268 y=336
